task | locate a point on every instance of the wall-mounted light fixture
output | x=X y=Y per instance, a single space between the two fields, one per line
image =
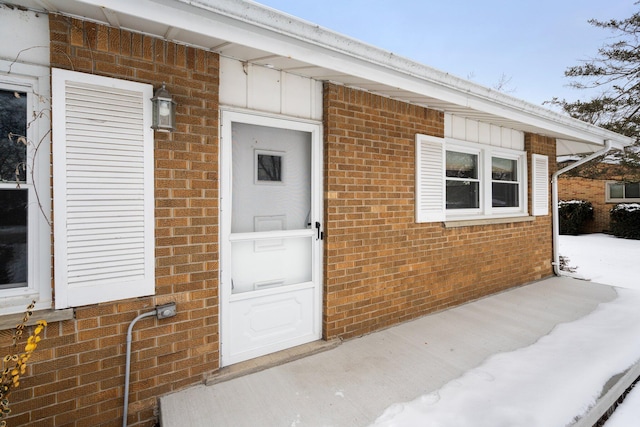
x=164 y=111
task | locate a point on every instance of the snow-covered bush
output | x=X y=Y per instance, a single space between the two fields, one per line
x=625 y=220
x=572 y=215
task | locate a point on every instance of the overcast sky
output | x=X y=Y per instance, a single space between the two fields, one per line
x=529 y=42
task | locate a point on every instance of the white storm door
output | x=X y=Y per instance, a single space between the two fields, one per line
x=271 y=235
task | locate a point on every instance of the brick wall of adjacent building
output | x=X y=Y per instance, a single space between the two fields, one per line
x=77 y=374
x=382 y=267
x=591 y=190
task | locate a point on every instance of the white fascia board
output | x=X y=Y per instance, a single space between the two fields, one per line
x=250 y=24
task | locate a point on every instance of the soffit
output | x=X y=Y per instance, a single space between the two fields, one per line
x=249 y=32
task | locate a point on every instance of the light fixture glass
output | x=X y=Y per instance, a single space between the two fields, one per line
x=164 y=110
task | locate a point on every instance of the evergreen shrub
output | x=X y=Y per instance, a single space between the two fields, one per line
x=573 y=214
x=625 y=220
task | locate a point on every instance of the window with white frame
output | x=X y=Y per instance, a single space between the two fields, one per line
x=478 y=181
x=623 y=192
x=24 y=189
x=483 y=180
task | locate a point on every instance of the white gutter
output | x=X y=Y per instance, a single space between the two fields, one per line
x=608 y=145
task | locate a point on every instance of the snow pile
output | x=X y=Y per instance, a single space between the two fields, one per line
x=554 y=380
x=629 y=207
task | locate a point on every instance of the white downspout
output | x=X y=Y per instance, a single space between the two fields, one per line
x=554 y=203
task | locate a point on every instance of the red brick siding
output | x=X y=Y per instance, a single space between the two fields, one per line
x=77 y=374
x=591 y=190
x=381 y=268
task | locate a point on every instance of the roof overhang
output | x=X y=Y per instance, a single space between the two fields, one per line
x=253 y=33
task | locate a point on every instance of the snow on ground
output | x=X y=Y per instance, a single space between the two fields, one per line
x=604 y=259
x=559 y=377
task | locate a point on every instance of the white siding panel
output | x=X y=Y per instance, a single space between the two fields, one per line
x=292 y=103
x=264 y=89
x=496 y=136
x=233 y=83
x=517 y=140
x=316 y=100
x=505 y=138
x=472 y=130
x=103 y=189
x=458 y=128
x=484 y=133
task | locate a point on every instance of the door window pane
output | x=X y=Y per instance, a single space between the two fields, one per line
x=13 y=129
x=13 y=238
x=271 y=178
x=270 y=263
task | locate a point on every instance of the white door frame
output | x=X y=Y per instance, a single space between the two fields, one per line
x=227 y=117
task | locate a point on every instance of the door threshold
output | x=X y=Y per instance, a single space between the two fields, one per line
x=270 y=360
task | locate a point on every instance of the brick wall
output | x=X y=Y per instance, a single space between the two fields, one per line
x=591 y=190
x=77 y=374
x=381 y=267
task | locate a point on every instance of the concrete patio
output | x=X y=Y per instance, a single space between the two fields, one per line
x=352 y=383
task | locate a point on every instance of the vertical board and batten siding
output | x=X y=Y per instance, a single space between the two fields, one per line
x=482 y=133
x=103 y=187
x=264 y=89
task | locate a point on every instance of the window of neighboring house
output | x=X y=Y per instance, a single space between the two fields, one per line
x=24 y=231
x=623 y=192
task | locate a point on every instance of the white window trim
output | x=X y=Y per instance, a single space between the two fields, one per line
x=34 y=80
x=609 y=199
x=485 y=154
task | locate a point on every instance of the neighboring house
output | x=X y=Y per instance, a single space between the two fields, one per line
x=604 y=185
x=314 y=188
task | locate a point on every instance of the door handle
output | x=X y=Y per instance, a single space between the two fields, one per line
x=319 y=230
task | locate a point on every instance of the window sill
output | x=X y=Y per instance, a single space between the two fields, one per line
x=487 y=221
x=9 y=321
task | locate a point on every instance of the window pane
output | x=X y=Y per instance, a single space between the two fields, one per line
x=462 y=165
x=632 y=190
x=504 y=195
x=13 y=238
x=269 y=168
x=504 y=169
x=13 y=121
x=616 y=191
x=463 y=195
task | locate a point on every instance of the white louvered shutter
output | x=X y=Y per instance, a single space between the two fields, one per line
x=103 y=189
x=430 y=183
x=540 y=190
